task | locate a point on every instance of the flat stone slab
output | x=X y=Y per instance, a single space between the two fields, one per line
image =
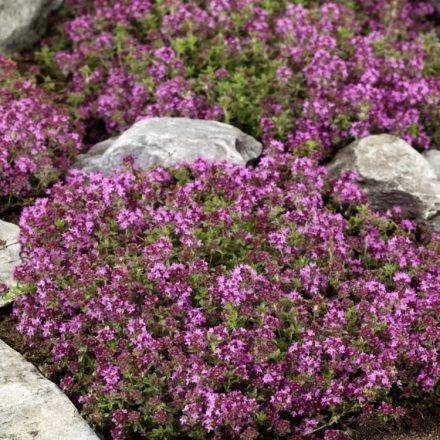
x=9 y=256
x=32 y=407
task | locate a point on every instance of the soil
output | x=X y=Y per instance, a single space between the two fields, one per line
x=11 y=215
x=433 y=434
x=419 y=425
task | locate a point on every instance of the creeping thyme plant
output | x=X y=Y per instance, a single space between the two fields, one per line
x=306 y=72
x=215 y=301
x=37 y=138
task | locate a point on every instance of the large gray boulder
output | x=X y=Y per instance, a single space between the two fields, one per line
x=169 y=141
x=32 y=407
x=9 y=256
x=22 y=22
x=392 y=173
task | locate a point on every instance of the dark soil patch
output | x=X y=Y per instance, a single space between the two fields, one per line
x=95 y=132
x=418 y=424
x=11 y=215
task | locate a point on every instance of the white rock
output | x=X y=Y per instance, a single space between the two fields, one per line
x=169 y=141
x=9 y=255
x=23 y=21
x=433 y=157
x=32 y=407
x=392 y=173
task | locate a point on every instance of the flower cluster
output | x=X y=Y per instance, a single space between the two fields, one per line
x=218 y=301
x=37 y=137
x=313 y=74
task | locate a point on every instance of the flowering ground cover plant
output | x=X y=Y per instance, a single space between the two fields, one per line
x=37 y=138
x=216 y=301
x=310 y=73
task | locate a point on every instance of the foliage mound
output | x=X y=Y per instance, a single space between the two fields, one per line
x=37 y=138
x=215 y=301
x=313 y=74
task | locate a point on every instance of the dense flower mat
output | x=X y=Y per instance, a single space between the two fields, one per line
x=312 y=74
x=274 y=68
x=217 y=301
x=225 y=302
x=38 y=139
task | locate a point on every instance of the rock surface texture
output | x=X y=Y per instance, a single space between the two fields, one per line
x=9 y=255
x=169 y=141
x=33 y=408
x=22 y=22
x=433 y=157
x=392 y=173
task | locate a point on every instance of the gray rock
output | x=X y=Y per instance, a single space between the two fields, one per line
x=433 y=157
x=32 y=407
x=9 y=256
x=392 y=173
x=22 y=22
x=169 y=141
